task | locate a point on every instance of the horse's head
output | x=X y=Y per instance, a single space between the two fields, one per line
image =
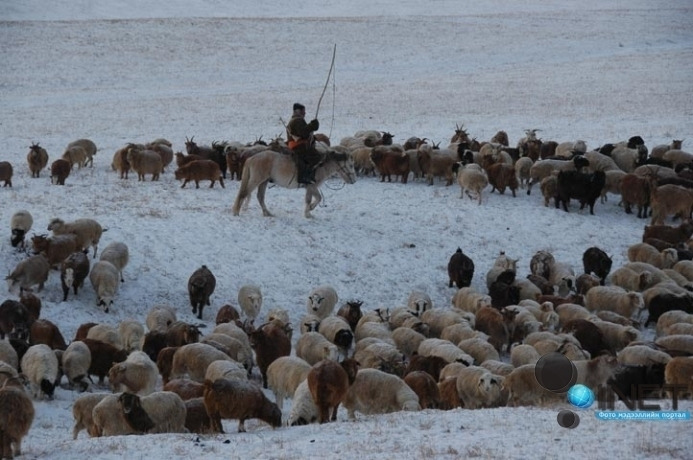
x=345 y=165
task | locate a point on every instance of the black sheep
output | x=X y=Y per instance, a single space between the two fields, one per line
x=596 y=261
x=662 y=303
x=460 y=269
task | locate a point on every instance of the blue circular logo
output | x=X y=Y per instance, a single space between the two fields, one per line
x=580 y=396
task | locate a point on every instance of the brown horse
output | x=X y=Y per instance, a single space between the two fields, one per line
x=280 y=168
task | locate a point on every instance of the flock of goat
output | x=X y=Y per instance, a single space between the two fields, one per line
x=478 y=352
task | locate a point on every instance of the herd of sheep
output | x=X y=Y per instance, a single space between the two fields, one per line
x=478 y=351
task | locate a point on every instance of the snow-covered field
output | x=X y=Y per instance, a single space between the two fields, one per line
x=117 y=72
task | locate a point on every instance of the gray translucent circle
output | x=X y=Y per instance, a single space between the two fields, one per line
x=555 y=372
x=568 y=419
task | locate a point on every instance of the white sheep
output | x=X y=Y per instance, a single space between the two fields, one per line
x=132 y=334
x=160 y=317
x=456 y=333
x=549 y=188
x=479 y=349
x=398 y=316
x=82 y=410
x=40 y=366
x=472 y=182
x=681 y=343
x=75 y=363
x=600 y=162
x=440 y=318
x=678 y=278
x=444 y=349
x=225 y=369
x=106 y=334
x=8 y=354
x=379 y=315
x=685 y=267
x=612 y=184
x=313 y=347
x=118 y=254
x=630 y=280
x=279 y=314
x=677 y=157
x=523 y=354
x=642 y=355
x=309 y=323
x=104 y=279
x=656 y=274
x=88 y=231
x=562 y=275
x=232 y=330
x=470 y=300
x=670 y=318
x=231 y=346
x=166 y=410
x=145 y=162
x=381 y=355
x=108 y=418
x=478 y=387
x=419 y=302
x=545 y=168
x=595 y=372
x=284 y=375
x=336 y=329
x=192 y=359
x=29 y=272
x=616 y=299
x=643 y=252
x=522 y=168
x=20 y=224
x=528 y=290
x=377 y=392
x=372 y=329
x=250 y=300
x=497 y=367
x=303 y=408
x=523 y=389
x=617 y=337
x=501 y=264
x=7 y=372
x=137 y=374
x=321 y=301
x=407 y=340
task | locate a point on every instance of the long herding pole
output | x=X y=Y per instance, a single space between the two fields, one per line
x=334 y=53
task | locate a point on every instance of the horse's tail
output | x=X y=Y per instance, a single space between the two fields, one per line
x=243 y=191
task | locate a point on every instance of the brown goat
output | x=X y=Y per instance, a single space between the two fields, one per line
x=120 y=161
x=16 y=416
x=328 y=383
x=390 y=163
x=233 y=163
x=83 y=330
x=185 y=388
x=200 y=170
x=60 y=170
x=449 y=397
x=57 y=248
x=425 y=388
x=37 y=159
x=672 y=235
x=492 y=322
x=635 y=190
x=435 y=164
x=670 y=199
x=103 y=355
x=196 y=418
x=502 y=176
x=46 y=332
x=238 y=399
x=351 y=312
x=269 y=342
x=6 y=173
x=164 y=362
x=182 y=160
x=180 y=333
x=432 y=365
x=32 y=305
x=227 y=314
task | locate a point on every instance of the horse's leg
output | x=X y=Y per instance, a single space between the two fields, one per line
x=313 y=198
x=261 y=198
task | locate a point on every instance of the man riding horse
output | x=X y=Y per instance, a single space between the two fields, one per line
x=299 y=135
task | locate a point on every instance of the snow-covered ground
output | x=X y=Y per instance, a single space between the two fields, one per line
x=119 y=71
